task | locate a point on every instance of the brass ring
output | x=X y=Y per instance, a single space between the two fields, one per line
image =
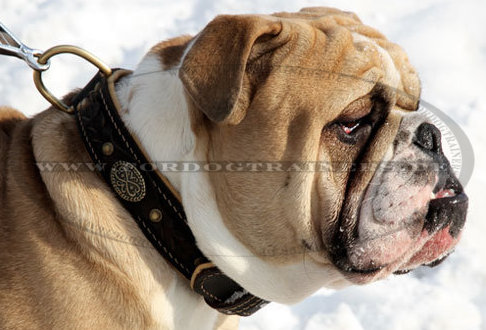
x=62 y=49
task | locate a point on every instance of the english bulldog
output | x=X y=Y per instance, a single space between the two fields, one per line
x=354 y=185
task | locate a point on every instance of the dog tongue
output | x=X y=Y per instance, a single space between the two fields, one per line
x=445 y=193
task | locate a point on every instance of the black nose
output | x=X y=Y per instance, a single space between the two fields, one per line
x=427 y=136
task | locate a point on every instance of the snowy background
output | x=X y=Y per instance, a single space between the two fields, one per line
x=446 y=41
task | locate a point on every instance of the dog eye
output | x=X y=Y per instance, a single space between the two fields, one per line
x=349 y=127
x=350 y=131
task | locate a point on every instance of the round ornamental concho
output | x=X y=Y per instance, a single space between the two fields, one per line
x=127 y=181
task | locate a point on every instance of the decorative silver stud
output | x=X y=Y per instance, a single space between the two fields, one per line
x=127 y=181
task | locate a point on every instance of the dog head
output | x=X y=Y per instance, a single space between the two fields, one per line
x=329 y=176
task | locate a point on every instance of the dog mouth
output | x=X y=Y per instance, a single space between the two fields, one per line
x=443 y=193
x=447 y=206
x=444 y=221
x=431 y=244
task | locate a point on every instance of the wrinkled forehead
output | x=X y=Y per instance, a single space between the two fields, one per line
x=335 y=55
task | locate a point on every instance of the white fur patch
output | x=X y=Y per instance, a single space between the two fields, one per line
x=157 y=113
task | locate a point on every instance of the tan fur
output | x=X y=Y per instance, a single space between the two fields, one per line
x=225 y=322
x=8 y=119
x=57 y=258
x=171 y=50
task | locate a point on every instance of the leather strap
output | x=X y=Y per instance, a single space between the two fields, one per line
x=149 y=197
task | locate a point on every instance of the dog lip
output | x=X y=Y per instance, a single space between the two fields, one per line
x=345 y=267
x=439 y=260
x=449 y=182
x=455 y=198
x=446 y=211
x=365 y=271
x=402 y=271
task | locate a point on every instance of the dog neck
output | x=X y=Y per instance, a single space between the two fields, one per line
x=153 y=105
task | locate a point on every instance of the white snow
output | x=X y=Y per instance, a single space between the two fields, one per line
x=446 y=41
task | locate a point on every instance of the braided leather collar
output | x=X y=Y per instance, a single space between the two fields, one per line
x=149 y=197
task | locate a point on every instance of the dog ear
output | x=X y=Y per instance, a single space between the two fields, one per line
x=213 y=70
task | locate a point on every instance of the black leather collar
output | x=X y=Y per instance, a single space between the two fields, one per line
x=149 y=197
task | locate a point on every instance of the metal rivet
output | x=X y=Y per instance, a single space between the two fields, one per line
x=155 y=215
x=107 y=148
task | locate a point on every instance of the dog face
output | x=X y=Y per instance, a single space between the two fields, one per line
x=315 y=88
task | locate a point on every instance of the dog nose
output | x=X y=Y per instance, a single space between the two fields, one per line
x=427 y=136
